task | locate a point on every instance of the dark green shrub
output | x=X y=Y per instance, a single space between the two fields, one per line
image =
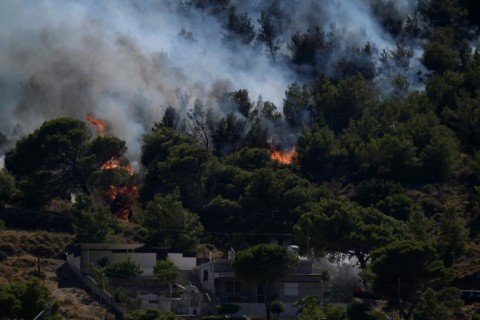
x=228 y=308
x=120 y=295
x=123 y=270
x=358 y=311
x=103 y=262
x=375 y=315
x=277 y=307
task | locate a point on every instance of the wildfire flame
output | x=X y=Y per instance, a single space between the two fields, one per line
x=284 y=157
x=121 y=198
x=118 y=199
x=115 y=164
x=97 y=123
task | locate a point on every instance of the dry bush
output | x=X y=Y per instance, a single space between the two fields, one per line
x=40 y=244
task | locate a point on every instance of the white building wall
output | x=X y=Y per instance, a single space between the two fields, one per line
x=183 y=263
x=146 y=261
x=209 y=283
x=73 y=261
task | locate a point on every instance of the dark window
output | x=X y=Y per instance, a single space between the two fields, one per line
x=205 y=275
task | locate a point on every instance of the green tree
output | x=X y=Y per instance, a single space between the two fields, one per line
x=158 y=144
x=354 y=95
x=249 y=159
x=239 y=28
x=439 y=54
x=317 y=151
x=335 y=312
x=169 y=224
x=25 y=300
x=360 y=61
x=269 y=111
x=264 y=264
x=341 y=226
x=371 y=191
x=438 y=305
x=273 y=200
x=166 y=272
x=93 y=223
x=170 y=118
x=446 y=13
x=453 y=235
x=398 y=206
x=296 y=105
x=309 y=308
x=200 y=123
x=403 y=270
x=222 y=214
x=174 y=161
x=268 y=35
x=443 y=90
x=236 y=100
x=464 y=119
x=308 y=46
x=229 y=134
x=58 y=158
x=7 y=186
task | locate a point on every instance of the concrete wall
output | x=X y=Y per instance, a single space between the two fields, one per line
x=208 y=283
x=294 y=291
x=73 y=262
x=184 y=263
x=258 y=309
x=96 y=291
x=146 y=261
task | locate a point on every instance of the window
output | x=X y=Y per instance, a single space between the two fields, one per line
x=290 y=289
x=205 y=275
x=234 y=287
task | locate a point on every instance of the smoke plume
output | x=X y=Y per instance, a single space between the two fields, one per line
x=126 y=61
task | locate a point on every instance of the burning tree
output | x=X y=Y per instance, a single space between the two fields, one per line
x=60 y=158
x=122 y=195
x=284 y=157
x=121 y=189
x=97 y=123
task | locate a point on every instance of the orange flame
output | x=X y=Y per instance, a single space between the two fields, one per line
x=97 y=123
x=115 y=164
x=117 y=197
x=284 y=157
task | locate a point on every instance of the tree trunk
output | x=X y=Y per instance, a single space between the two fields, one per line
x=170 y=301
x=268 y=300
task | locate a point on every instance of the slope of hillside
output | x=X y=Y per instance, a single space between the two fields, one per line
x=23 y=248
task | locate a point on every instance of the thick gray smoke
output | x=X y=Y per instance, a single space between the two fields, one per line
x=124 y=61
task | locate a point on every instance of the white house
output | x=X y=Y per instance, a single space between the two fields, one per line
x=217 y=276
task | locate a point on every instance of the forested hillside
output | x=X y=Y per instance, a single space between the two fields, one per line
x=347 y=127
